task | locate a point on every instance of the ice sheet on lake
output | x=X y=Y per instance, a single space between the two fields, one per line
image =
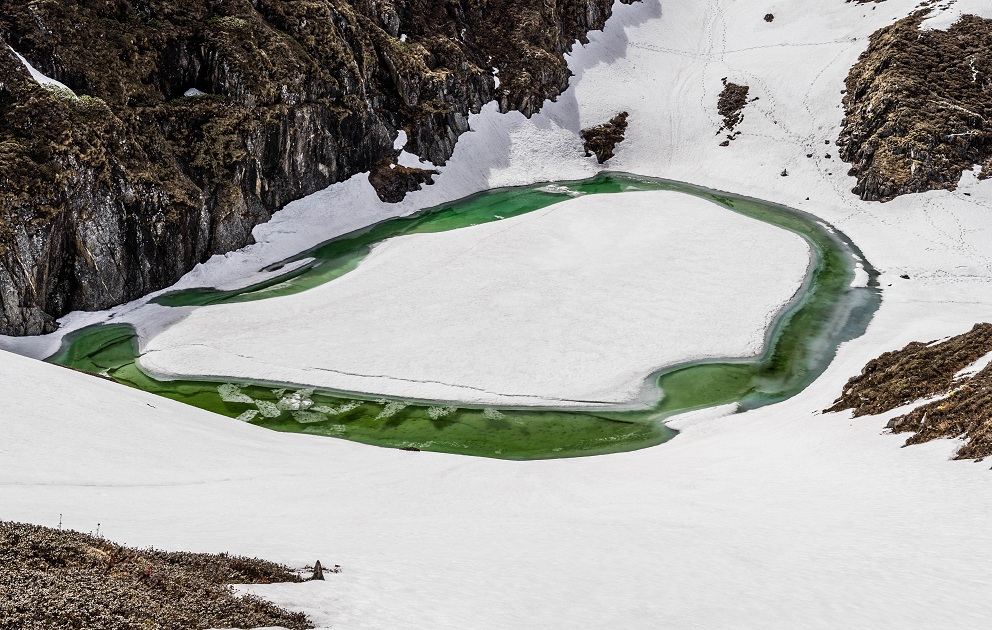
x=576 y=303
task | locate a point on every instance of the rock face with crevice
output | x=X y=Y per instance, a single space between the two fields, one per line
x=120 y=188
x=918 y=107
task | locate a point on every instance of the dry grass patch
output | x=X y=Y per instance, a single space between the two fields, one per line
x=52 y=578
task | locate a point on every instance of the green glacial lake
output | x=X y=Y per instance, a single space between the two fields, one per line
x=799 y=346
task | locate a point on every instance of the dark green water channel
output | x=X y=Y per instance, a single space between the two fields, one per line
x=799 y=346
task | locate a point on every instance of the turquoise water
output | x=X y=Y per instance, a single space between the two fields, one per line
x=799 y=346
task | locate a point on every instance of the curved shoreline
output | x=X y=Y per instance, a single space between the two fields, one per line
x=798 y=345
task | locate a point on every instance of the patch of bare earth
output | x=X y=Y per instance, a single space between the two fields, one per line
x=963 y=408
x=54 y=578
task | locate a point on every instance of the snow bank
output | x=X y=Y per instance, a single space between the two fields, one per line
x=576 y=303
x=946 y=14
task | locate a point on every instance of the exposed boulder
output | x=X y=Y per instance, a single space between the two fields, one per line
x=393 y=181
x=602 y=140
x=730 y=105
x=918 y=105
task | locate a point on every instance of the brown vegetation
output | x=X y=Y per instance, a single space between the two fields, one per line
x=918 y=105
x=53 y=578
x=926 y=370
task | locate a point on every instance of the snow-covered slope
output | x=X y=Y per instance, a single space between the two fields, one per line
x=947 y=13
x=776 y=518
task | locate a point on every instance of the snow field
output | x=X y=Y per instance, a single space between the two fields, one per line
x=40 y=77
x=775 y=518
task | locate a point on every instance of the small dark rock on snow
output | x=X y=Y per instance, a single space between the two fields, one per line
x=602 y=140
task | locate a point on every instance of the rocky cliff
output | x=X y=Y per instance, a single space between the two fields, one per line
x=918 y=105
x=191 y=121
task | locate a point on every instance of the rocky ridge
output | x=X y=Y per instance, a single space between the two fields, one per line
x=190 y=121
x=918 y=105
x=937 y=370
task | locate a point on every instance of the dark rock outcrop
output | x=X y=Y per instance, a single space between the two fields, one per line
x=926 y=370
x=602 y=140
x=918 y=105
x=730 y=105
x=393 y=181
x=118 y=190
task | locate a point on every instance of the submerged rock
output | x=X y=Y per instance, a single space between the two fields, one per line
x=188 y=122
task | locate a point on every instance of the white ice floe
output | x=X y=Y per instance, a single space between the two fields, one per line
x=861 y=276
x=576 y=303
x=776 y=518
